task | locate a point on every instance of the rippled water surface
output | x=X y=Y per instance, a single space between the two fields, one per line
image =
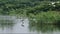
x=11 y=24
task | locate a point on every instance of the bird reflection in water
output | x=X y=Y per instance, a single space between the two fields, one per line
x=22 y=23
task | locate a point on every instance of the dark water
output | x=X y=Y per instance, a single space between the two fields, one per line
x=9 y=25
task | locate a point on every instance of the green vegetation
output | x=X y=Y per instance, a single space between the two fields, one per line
x=46 y=17
x=40 y=11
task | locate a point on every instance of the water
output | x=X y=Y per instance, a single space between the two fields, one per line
x=24 y=26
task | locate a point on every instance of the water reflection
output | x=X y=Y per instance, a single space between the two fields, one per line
x=6 y=24
x=24 y=26
x=13 y=25
x=43 y=28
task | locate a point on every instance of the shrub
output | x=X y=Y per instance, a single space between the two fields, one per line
x=47 y=17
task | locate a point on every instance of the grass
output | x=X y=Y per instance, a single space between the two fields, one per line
x=46 y=17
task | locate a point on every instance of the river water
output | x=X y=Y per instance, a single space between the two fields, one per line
x=24 y=26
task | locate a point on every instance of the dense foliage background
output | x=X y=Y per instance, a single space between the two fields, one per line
x=41 y=10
